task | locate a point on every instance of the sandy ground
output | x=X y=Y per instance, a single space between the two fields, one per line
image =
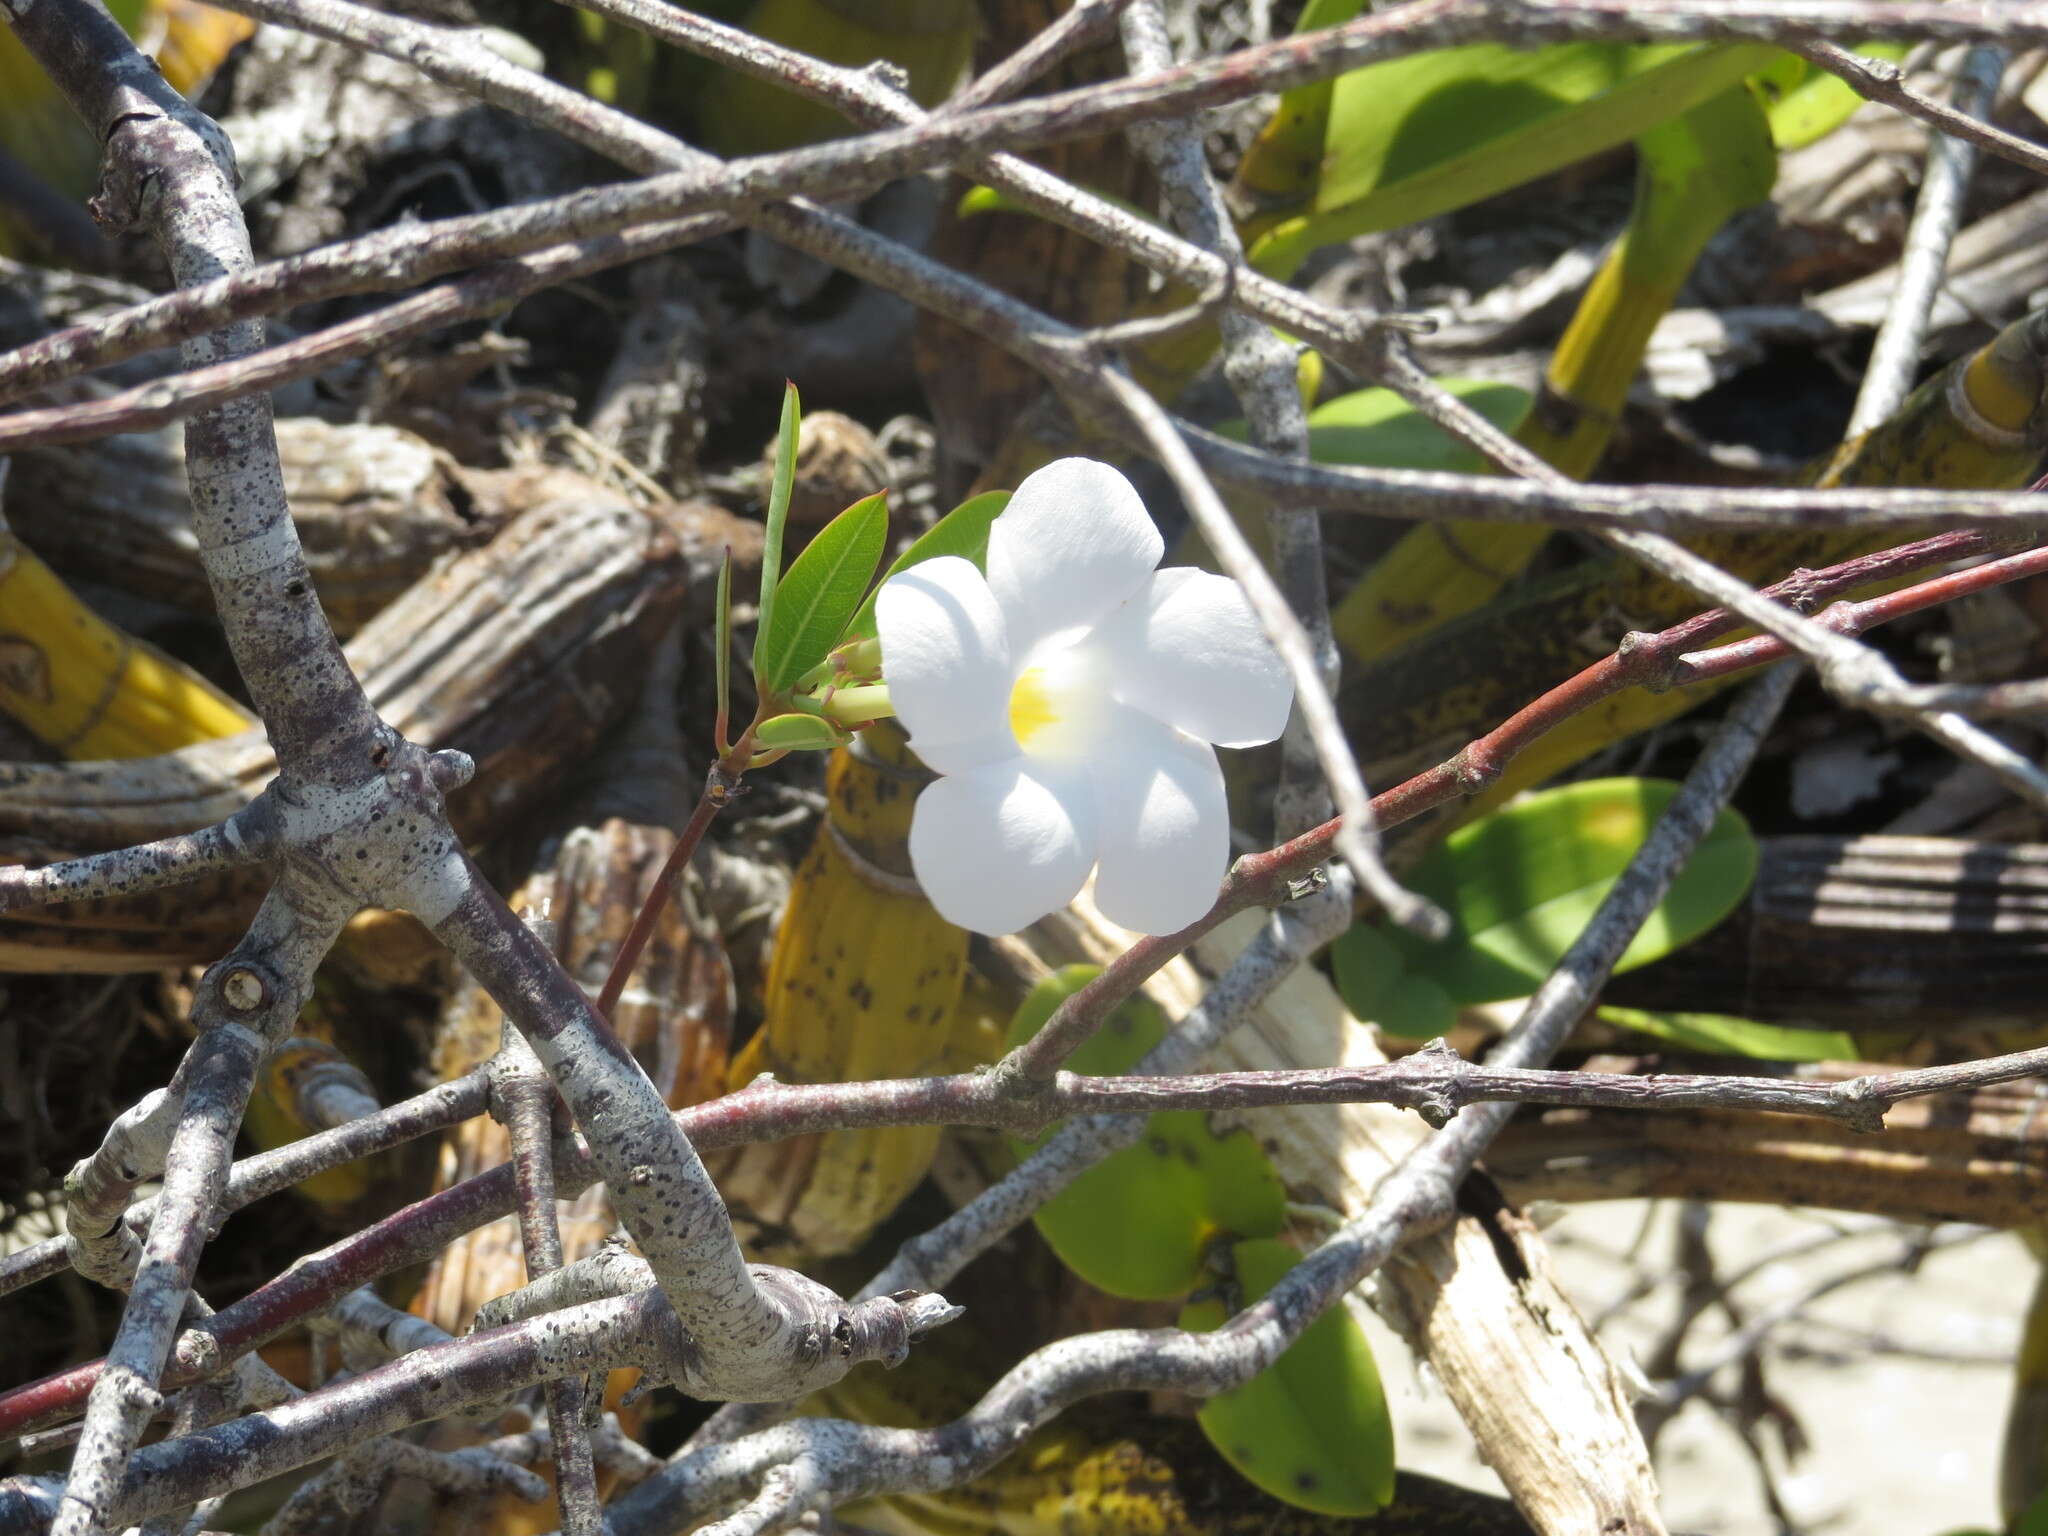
x=1900 y=1380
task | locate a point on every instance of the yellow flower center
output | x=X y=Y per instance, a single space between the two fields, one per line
x=1032 y=710
x=1057 y=704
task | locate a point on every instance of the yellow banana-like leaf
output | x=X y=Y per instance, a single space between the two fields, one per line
x=189 y=40
x=864 y=983
x=84 y=688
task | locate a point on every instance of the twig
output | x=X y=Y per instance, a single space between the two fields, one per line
x=720 y=785
x=1895 y=355
x=1854 y=673
x=352 y=1483
x=1080 y=26
x=1261 y=370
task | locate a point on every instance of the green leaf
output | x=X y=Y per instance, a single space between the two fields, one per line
x=1418 y=136
x=1522 y=883
x=1374 y=980
x=821 y=592
x=1717 y=1034
x=1313 y=1428
x=1694 y=173
x=1805 y=103
x=1140 y=1223
x=798 y=733
x=976 y=201
x=778 y=515
x=1378 y=427
x=962 y=531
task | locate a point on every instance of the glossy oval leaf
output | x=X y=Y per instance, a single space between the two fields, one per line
x=1374 y=980
x=962 y=531
x=1521 y=884
x=1313 y=1428
x=1141 y=1222
x=823 y=590
x=1377 y=427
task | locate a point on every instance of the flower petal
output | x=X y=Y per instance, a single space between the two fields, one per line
x=946 y=658
x=1165 y=826
x=999 y=846
x=1188 y=651
x=1074 y=542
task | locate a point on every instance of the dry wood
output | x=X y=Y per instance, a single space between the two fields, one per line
x=513 y=652
x=1871 y=933
x=1974 y=1156
x=375 y=508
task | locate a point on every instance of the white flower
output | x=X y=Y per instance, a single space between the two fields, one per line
x=1069 y=700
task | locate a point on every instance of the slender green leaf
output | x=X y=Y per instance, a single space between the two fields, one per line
x=962 y=531
x=1377 y=427
x=1719 y=1035
x=723 y=643
x=1312 y=1428
x=778 y=515
x=821 y=592
x=1422 y=135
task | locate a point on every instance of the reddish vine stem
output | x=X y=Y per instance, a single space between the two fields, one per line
x=721 y=787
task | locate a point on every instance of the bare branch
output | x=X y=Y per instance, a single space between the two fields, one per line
x=242 y=839
x=1895 y=355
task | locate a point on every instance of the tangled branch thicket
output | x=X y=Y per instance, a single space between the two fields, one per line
x=354 y=817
